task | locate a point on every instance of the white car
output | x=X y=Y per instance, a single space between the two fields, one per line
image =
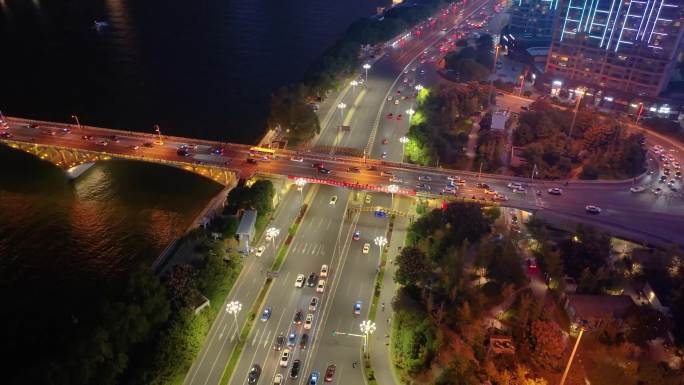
x=300 y=280
x=321 y=286
x=389 y=98
x=591 y=209
x=308 y=321
x=555 y=191
x=394 y=179
x=396 y=102
x=366 y=248
x=637 y=189
x=285 y=358
x=424 y=178
x=278 y=379
x=299 y=159
x=333 y=199
x=324 y=271
x=260 y=250
x=515 y=185
x=520 y=190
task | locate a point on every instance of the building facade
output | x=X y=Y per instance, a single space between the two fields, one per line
x=621 y=51
x=532 y=21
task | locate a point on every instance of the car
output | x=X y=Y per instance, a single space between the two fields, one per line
x=591 y=209
x=368 y=199
x=313 y=305
x=330 y=372
x=357 y=235
x=266 y=314
x=396 y=102
x=354 y=169
x=252 y=161
x=324 y=170
x=324 y=271
x=678 y=175
x=291 y=339
x=531 y=263
x=383 y=155
x=308 y=321
x=148 y=144
x=294 y=370
x=333 y=199
x=6 y=135
x=299 y=159
x=218 y=150
x=135 y=147
x=366 y=248
x=279 y=342
x=311 y=280
x=300 y=280
x=389 y=98
x=515 y=185
x=555 y=191
x=4 y=125
x=657 y=191
x=112 y=138
x=519 y=190
x=317 y=165
x=424 y=178
x=321 y=286
x=672 y=188
x=278 y=379
x=303 y=341
x=385 y=141
x=357 y=308
x=637 y=189
x=394 y=179
x=482 y=185
x=490 y=192
x=259 y=251
x=298 y=317
x=103 y=143
x=182 y=151
x=390 y=115
x=385 y=173
x=285 y=358
x=254 y=373
x=313 y=377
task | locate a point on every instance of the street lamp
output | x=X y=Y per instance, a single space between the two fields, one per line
x=158 y=130
x=393 y=189
x=410 y=113
x=354 y=83
x=367 y=328
x=493 y=74
x=272 y=233
x=341 y=107
x=381 y=242
x=366 y=67
x=579 y=93
x=418 y=87
x=300 y=182
x=78 y=124
x=403 y=140
x=234 y=307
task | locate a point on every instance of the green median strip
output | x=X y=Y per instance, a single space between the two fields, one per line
x=378 y=287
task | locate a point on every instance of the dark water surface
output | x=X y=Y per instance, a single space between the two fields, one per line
x=197 y=68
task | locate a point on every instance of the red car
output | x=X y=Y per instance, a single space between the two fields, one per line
x=385 y=141
x=317 y=165
x=330 y=372
x=399 y=117
x=390 y=115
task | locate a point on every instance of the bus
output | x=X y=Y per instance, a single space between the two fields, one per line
x=261 y=152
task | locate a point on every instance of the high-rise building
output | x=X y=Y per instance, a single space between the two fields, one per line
x=532 y=21
x=620 y=50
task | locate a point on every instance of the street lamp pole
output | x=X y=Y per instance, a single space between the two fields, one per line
x=354 y=83
x=78 y=124
x=341 y=107
x=367 y=328
x=380 y=241
x=579 y=93
x=572 y=356
x=493 y=74
x=403 y=140
x=158 y=130
x=393 y=189
x=300 y=182
x=234 y=307
x=272 y=233
x=366 y=67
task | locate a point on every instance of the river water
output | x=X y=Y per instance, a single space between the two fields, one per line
x=196 y=68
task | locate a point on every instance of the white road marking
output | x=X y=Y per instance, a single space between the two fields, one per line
x=266 y=339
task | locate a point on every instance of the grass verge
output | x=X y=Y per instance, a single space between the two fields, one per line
x=280 y=258
x=378 y=287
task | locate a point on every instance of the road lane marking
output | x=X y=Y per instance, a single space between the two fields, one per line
x=267 y=337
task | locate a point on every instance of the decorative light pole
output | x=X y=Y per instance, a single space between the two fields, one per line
x=234 y=307
x=579 y=93
x=272 y=233
x=367 y=328
x=78 y=124
x=300 y=182
x=381 y=242
x=403 y=140
x=366 y=67
x=393 y=189
x=410 y=113
x=341 y=107
x=158 y=131
x=354 y=83
x=418 y=87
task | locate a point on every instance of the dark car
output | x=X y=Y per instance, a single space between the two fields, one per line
x=279 y=342
x=324 y=170
x=299 y=315
x=6 y=135
x=482 y=185
x=330 y=372
x=317 y=165
x=218 y=150
x=254 y=374
x=294 y=371
x=303 y=341
x=311 y=281
x=183 y=152
x=87 y=137
x=251 y=161
x=353 y=169
x=114 y=138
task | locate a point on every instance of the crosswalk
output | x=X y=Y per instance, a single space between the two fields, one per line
x=307 y=248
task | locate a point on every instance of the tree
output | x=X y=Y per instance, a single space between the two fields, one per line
x=472 y=229
x=588 y=248
x=180 y=286
x=413 y=268
x=644 y=323
x=547 y=343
